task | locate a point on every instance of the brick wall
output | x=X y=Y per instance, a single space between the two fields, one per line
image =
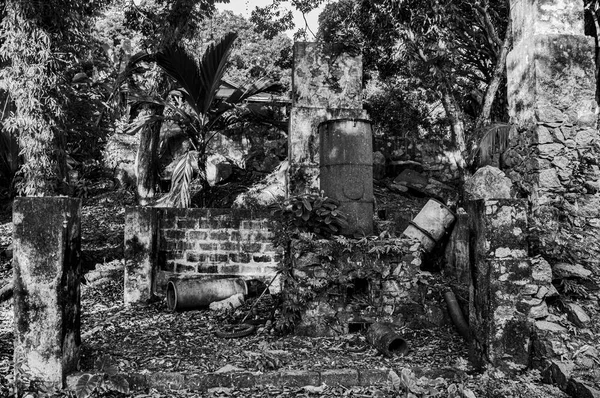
x=215 y=242
x=165 y=242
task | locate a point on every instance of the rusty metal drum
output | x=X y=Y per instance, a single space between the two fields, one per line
x=430 y=225
x=346 y=170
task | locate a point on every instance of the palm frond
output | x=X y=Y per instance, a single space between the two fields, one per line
x=180 y=65
x=179 y=195
x=212 y=68
x=141 y=122
x=495 y=139
x=263 y=85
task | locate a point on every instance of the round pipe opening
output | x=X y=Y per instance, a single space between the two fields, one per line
x=171 y=296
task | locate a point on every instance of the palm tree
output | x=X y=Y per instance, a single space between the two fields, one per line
x=195 y=107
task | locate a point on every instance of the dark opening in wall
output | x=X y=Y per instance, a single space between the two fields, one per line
x=358 y=327
x=357 y=288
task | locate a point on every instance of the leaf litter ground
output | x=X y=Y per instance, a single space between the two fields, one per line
x=149 y=338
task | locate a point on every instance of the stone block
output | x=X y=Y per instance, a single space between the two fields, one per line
x=551 y=79
x=46 y=277
x=488 y=183
x=343 y=377
x=546 y=17
x=165 y=381
x=141 y=228
x=565 y=270
x=558 y=372
x=577 y=315
x=499 y=228
x=500 y=317
x=300 y=378
x=372 y=377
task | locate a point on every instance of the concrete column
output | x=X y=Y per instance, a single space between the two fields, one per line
x=326 y=84
x=141 y=229
x=47 y=271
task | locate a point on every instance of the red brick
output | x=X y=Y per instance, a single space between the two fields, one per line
x=194 y=257
x=235 y=236
x=251 y=247
x=239 y=257
x=198 y=235
x=219 y=258
x=184 y=267
x=187 y=224
x=229 y=269
x=210 y=247
x=261 y=258
x=174 y=234
x=219 y=235
x=208 y=268
x=229 y=246
x=173 y=254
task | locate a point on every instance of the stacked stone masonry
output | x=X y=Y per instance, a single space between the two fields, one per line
x=354 y=287
x=215 y=242
x=509 y=288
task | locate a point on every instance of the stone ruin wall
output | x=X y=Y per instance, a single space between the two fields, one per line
x=554 y=157
x=515 y=247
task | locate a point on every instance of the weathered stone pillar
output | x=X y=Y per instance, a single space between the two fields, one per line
x=141 y=226
x=326 y=84
x=47 y=271
x=551 y=95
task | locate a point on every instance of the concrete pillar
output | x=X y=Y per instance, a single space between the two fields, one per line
x=326 y=84
x=47 y=271
x=141 y=228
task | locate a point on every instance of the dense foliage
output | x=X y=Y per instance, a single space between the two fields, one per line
x=42 y=43
x=452 y=49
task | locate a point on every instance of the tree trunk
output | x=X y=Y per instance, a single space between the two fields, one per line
x=147 y=159
x=457 y=124
x=147 y=156
x=492 y=88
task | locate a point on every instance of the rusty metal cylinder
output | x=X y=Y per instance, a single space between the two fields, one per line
x=386 y=340
x=194 y=293
x=346 y=170
x=430 y=225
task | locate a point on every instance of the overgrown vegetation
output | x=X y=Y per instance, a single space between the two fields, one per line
x=309 y=226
